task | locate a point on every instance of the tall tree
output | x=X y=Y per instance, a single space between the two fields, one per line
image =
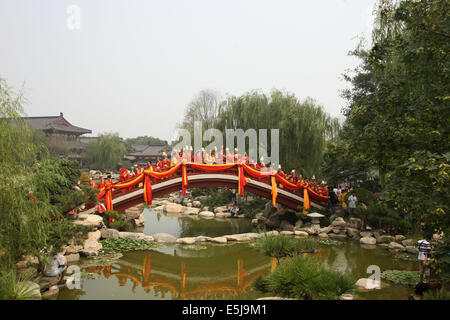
x=106 y=152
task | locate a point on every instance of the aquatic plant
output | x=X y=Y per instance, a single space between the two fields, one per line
x=14 y=287
x=404 y=277
x=125 y=244
x=302 y=277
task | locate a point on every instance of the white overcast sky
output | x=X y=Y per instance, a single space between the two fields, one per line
x=134 y=65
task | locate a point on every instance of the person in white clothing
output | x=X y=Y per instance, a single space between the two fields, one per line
x=424 y=257
x=57 y=267
x=352 y=200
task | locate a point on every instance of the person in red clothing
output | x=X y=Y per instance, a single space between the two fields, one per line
x=292 y=178
x=166 y=161
x=281 y=172
x=229 y=156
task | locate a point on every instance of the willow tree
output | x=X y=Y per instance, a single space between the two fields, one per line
x=23 y=218
x=106 y=152
x=304 y=125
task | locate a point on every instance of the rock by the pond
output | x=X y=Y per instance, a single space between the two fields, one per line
x=301 y=233
x=272 y=233
x=352 y=232
x=323 y=235
x=73 y=248
x=255 y=221
x=109 y=233
x=196 y=204
x=46 y=281
x=206 y=208
x=287 y=233
x=91 y=220
x=221 y=240
x=145 y=237
x=326 y=229
x=240 y=216
x=202 y=239
x=221 y=209
x=174 y=208
x=129 y=235
x=159 y=208
x=134 y=212
x=223 y=214
x=91 y=247
x=206 y=214
x=140 y=220
x=369 y=284
x=95 y=235
x=51 y=293
x=164 y=237
x=32 y=289
x=396 y=246
x=237 y=237
x=338 y=222
x=365 y=234
x=74 y=257
x=186 y=240
x=298 y=224
x=399 y=237
x=368 y=240
x=412 y=249
x=191 y=211
x=408 y=242
x=385 y=239
x=346 y=296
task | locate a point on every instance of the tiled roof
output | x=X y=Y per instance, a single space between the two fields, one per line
x=150 y=151
x=56 y=123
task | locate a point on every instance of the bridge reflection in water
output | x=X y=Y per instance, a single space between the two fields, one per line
x=216 y=273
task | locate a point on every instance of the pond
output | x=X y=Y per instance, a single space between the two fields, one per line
x=213 y=271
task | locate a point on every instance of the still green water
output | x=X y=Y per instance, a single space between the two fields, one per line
x=209 y=271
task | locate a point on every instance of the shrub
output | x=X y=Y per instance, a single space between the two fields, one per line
x=119 y=223
x=304 y=278
x=282 y=246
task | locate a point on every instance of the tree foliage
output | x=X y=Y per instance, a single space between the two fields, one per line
x=106 y=152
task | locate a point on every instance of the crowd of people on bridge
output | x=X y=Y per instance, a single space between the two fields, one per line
x=214 y=156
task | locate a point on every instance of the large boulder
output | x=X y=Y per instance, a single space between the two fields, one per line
x=323 y=235
x=399 y=237
x=90 y=220
x=174 y=208
x=368 y=240
x=145 y=237
x=385 y=239
x=109 y=233
x=32 y=289
x=298 y=224
x=301 y=233
x=91 y=247
x=72 y=249
x=339 y=222
x=287 y=233
x=337 y=236
x=159 y=208
x=221 y=240
x=185 y=241
x=353 y=233
x=223 y=215
x=51 y=293
x=164 y=237
x=408 y=242
x=221 y=209
x=134 y=212
x=206 y=214
x=396 y=246
x=140 y=221
x=129 y=235
x=191 y=211
x=365 y=234
x=95 y=235
x=326 y=229
x=196 y=204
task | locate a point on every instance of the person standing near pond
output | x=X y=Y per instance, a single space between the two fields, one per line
x=352 y=200
x=332 y=201
x=424 y=257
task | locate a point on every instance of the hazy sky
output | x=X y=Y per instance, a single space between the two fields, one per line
x=133 y=66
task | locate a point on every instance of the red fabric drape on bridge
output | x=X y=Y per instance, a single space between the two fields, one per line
x=184 y=179
x=306 y=201
x=211 y=167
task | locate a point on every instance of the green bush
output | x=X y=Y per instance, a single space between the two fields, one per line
x=119 y=223
x=61 y=232
x=282 y=246
x=304 y=278
x=13 y=287
x=218 y=198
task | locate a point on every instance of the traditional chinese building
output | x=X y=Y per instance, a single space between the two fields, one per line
x=63 y=138
x=143 y=153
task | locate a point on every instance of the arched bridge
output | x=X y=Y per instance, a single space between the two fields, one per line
x=152 y=184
